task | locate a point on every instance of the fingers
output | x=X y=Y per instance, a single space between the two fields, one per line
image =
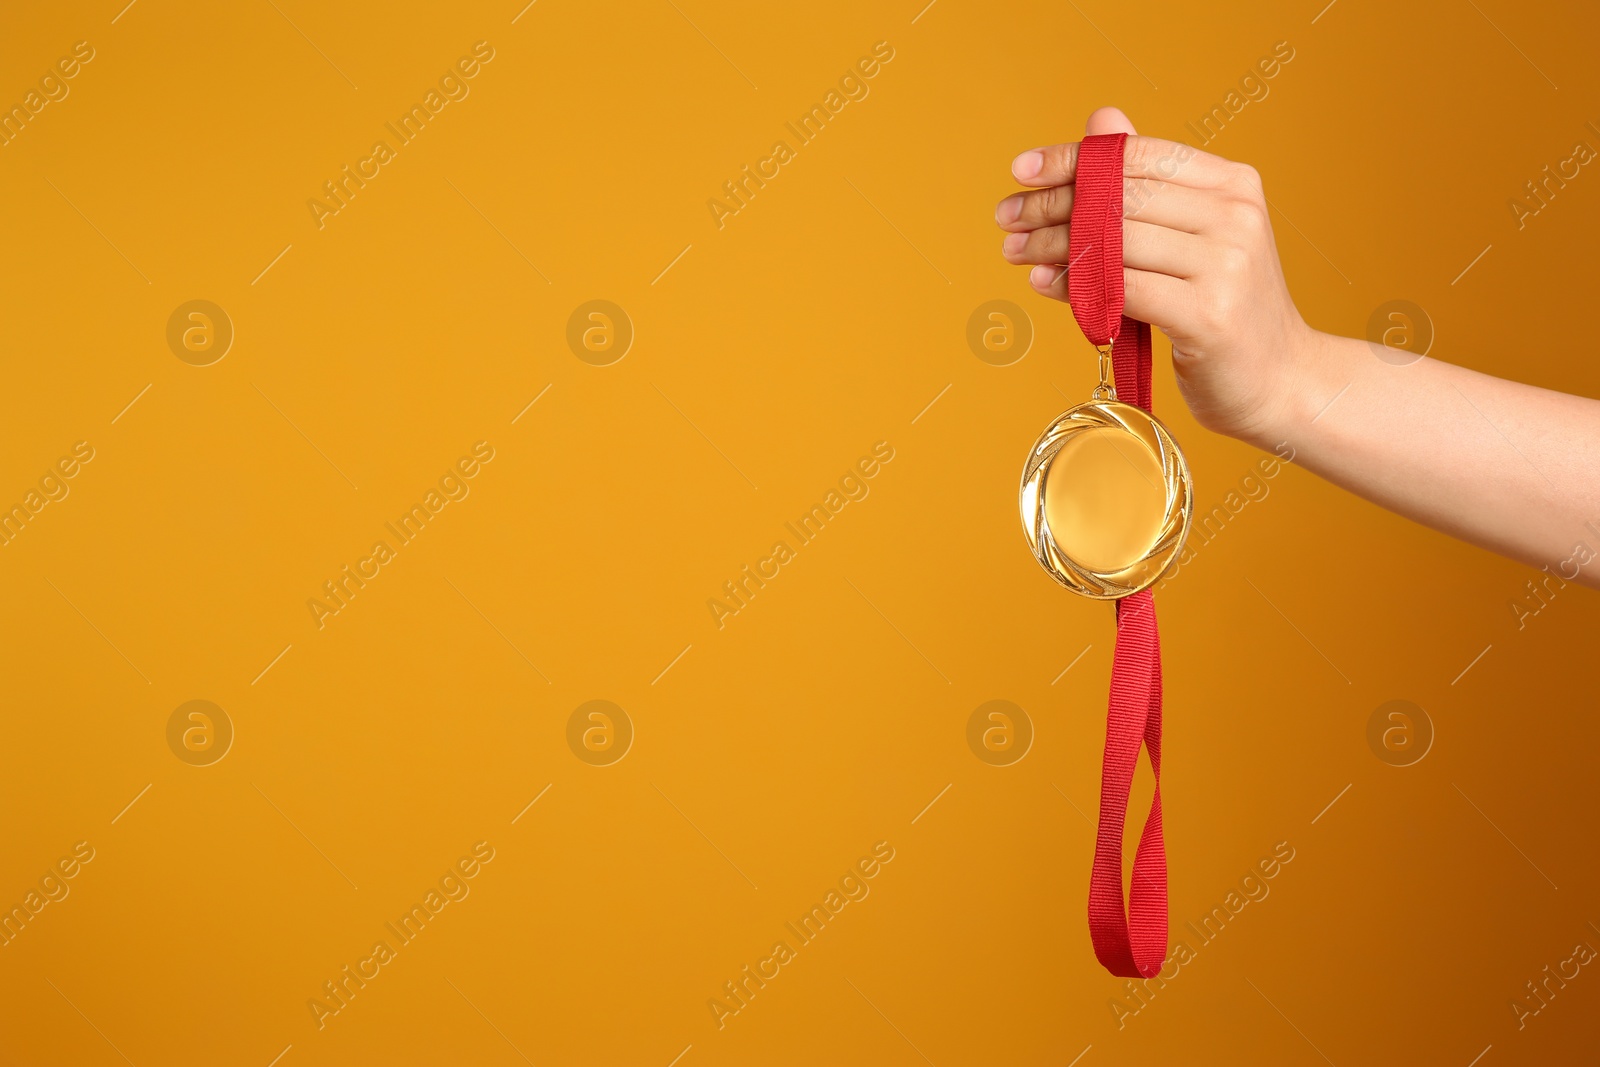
x=1158 y=203
x=1164 y=204
x=1153 y=298
x=1144 y=157
x=1041 y=207
x=1166 y=209
x=1144 y=247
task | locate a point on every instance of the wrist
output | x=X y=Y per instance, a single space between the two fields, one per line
x=1311 y=373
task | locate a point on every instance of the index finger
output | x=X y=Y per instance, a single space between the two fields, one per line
x=1143 y=157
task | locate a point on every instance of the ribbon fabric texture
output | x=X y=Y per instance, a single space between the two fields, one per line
x=1129 y=941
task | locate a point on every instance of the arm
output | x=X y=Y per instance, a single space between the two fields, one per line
x=1507 y=466
x=1510 y=467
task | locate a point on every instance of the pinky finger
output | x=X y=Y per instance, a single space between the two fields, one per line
x=1050 y=279
x=1159 y=299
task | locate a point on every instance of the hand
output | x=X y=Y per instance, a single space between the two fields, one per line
x=1199 y=262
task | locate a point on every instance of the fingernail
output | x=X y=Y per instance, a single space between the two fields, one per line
x=1014 y=244
x=1009 y=211
x=1028 y=165
x=1042 y=276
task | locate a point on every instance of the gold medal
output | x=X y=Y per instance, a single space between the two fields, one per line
x=1106 y=496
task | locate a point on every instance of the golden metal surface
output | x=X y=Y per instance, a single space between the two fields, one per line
x=1106 y=498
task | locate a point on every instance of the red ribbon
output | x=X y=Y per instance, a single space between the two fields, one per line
x=1129 y=942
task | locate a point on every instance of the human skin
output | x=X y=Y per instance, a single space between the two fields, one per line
x=1504 y=465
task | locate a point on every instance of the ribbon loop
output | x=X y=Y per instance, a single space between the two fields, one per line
x=1132 y=943
x=1129 y=940
x=1094 y=239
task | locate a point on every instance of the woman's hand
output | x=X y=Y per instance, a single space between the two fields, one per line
x=1199 y=261
x=1507 y=466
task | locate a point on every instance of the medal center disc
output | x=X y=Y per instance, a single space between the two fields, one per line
x=1105 y=499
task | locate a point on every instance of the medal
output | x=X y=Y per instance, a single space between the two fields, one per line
x=1105 y=496
x=1106 y=502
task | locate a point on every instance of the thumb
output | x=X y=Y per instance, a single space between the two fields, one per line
x=1108 y=120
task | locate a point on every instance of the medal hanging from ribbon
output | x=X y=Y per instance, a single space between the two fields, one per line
x=1106 y=505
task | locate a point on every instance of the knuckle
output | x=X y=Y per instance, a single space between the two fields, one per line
x=1053 y=204
x=1247 y=219
x=1061 y=161
x=1247 y=177
x=1137 y=153
x=1233 y=262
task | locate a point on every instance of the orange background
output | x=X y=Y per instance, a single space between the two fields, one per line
x=828 y=715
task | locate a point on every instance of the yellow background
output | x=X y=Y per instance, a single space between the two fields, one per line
x=829 y=713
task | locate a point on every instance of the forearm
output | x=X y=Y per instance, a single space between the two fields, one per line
x=1510 y=467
